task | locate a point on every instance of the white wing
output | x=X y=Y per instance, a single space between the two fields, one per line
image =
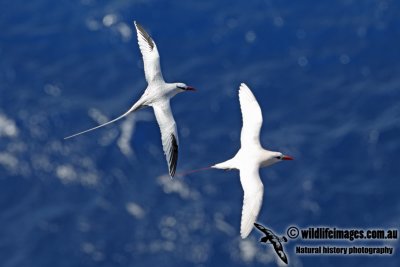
x=169 y=134
x=252 y=117
x=151 y=58
x=253 y=194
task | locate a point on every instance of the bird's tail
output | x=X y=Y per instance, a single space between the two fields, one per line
x=133 y=108
x=181 y=174
x=226 y=165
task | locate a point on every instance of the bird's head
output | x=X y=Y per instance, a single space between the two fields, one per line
x=279 y=156
x=181 y=87
x=274 y=157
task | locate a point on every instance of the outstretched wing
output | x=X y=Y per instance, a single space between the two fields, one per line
x=151 y=58
x=261 y=228
x=279 y=250
x=169 y=134
x=253 y=194
x=251 y=115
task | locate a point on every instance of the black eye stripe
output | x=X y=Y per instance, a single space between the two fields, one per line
x=180 y=87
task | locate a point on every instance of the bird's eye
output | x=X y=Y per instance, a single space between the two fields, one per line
x=278 y=157
x=180 y=87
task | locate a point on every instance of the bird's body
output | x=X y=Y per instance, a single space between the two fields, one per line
x=157 y=95
x=250 y=158
x=260 y=158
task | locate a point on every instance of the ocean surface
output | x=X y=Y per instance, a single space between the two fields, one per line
x=325 y=73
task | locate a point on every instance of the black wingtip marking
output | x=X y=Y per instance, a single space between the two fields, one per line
x=145 y=35
x=173 y=159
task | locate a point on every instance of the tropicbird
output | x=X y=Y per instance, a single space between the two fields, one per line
x=250 y=157
x=157 y=95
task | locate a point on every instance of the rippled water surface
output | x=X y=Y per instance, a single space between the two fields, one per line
x=326 y=75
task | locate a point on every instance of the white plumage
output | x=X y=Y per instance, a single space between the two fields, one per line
x=250 y=158
x=151 y=58
x=157 y=95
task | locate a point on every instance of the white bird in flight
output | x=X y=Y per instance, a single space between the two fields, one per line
x=250 y=158
x=157 y=95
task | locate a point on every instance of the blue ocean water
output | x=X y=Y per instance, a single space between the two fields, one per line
x=325 y=74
